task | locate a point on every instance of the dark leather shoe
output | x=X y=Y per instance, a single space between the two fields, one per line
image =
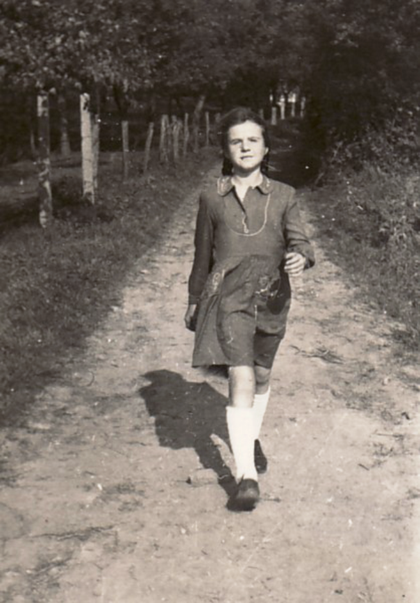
x=245 y=497
x=259 y=458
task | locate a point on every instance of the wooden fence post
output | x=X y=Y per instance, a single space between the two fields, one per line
x=32 y=125
x=207 y=130
x=196 y=122
x=65 y=149
x=95 y=121
x=186 y=136
x=302 y=106
x=87 y=149
x=273 y=116
x=163 y=150
x=44 y=163
x=169 y=137
x=148 y=146
x=125 y=147
x=282 y=104
x=292 y=100
x=176 y=128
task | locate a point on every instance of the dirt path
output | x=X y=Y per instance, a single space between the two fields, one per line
x=110 y=491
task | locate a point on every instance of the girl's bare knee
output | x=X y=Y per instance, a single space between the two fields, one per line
x=262 y=379
x=241 y=386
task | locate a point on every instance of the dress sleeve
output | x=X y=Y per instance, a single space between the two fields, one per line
x=203 y=257
x=296 y=239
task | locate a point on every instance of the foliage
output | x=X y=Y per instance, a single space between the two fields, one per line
x=49 y=44
x=369 y=205
x=358 y=60
x=365 y=61
x=209 y=42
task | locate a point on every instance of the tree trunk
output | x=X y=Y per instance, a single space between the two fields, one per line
x=148 y=146
x=186 y=136
x=196 y=121
x=125 y=147
x=44 y=164
x=88 y=160
x=65 y=149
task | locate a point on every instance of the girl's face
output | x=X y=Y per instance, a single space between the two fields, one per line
x=246 y=147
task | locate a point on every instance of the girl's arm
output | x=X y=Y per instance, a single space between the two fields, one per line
x=296 y=240
x=203 y=257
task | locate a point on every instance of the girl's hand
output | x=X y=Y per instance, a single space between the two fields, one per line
x=295 y=263
x=190 y=317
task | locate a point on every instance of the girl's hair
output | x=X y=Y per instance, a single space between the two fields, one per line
x=235 y=117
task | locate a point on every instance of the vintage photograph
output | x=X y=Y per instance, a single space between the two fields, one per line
x=209 y=301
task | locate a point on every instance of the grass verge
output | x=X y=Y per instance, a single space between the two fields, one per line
x=368 y=226
x=56 y=286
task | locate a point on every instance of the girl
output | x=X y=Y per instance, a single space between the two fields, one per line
x=249 y=239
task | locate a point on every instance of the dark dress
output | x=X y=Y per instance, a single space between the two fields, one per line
x=238 y=281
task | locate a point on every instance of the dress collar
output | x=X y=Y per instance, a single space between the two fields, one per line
x=225 y=185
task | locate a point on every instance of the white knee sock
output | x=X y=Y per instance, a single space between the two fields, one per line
x=240 y=422
x=259 y=408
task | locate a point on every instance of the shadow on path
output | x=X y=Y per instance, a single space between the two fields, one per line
x=186 y=416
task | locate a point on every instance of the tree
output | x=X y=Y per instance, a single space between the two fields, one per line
x=366 y=57
x=89 y=46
